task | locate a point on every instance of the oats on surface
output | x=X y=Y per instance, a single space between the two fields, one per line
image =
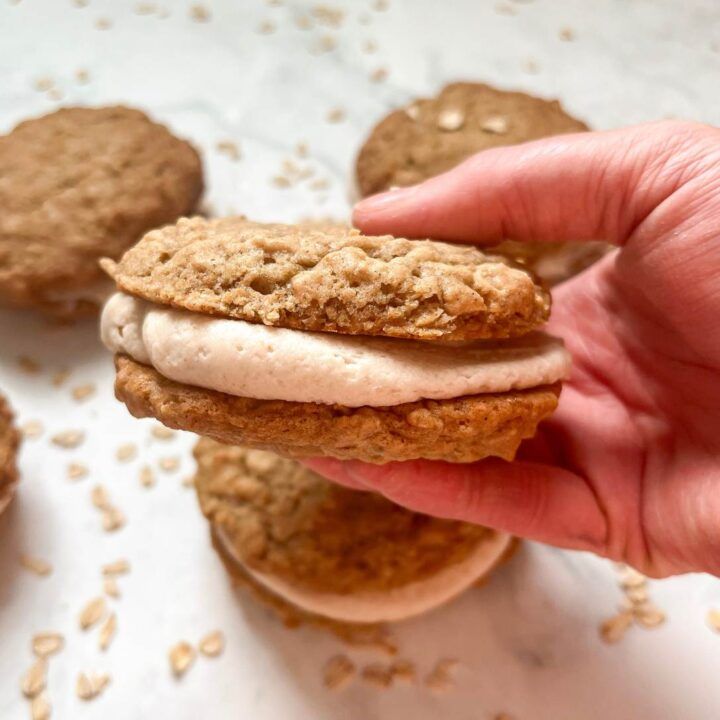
x=83 y=78
x=369 y=47
x=326 y=15
x=99 y=497
x=338 y=672
x=147 y=476
x=83 y=392
x=531 y=66
x=326 y=43
x=107 y=632
x=713 y=620
x=59 y=377
x=145 y=8
x=103 y=23
x=31 y=429
x=649 y=616
x=378 y=675
x=92 y=613
x=403 y=670
x=230 y=149
x=89 y=685
x=335 y=115
x=303 y=22
x=181 y=657
x=36 y=565
x=302 y=150
x=212 y=644
x=68 y=439
x=111 y=588
x=613 y=629
x=199 y=13
x=451 y=119
x=34 y=680
x=45 y=644
x=118 y=567
x=77 y=471
x=266 y=27
x=113 y=519
x=567 y=34
x=495 y=125
x=126 y=452
x=169 y=464
x=27 y=364
x=440 y=678
x=379 y=75
x=40 y=708
x=504 y=8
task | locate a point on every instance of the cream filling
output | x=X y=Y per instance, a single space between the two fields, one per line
x=390 y=605
x=268 y=363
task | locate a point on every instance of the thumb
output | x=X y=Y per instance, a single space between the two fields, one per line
x=535 y=501
x=586 y=186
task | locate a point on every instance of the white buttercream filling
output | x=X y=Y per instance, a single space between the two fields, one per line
x=391 y=605
x=256 y=361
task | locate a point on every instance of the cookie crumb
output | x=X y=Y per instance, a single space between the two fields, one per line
x=495 y=125
x=68 y=439
x=77 y=471
x=45 y=644
x=83 y=392
x=335 y=115
x=199 y=13
x=40 y=708
x=451 y=119
x=89 y=685
x=31 y=429
x=92 y=613
x=213 y=644
x=34 y=680
x=231 y=150
x=181 y=657
x=126 y=452
x=107 y=632
x=36 y=565
x=440 y=678
x=338 y=672
x=27 y=364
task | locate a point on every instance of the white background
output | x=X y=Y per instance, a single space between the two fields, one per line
x=527 y=642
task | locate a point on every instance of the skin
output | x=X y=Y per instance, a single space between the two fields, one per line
x=629 y=465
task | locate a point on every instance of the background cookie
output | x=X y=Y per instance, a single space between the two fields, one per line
x=9 y=442
x=433 y=135
x=79 y=184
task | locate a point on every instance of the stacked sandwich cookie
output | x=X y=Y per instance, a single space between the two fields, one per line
x=433 y=135
x=325 y=342
x=9 y=441
x=77 y=185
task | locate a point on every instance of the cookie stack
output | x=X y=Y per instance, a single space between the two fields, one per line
x=9 y=442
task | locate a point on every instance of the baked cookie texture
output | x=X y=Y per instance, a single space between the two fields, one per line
x=436 y=134
x=286 y=521
x=332 y=279
x=9 y=443
x=80 y=184
x=461 y=429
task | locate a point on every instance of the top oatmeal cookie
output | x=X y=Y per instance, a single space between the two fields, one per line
x=79 y=184
x=433 y=135
x=332 y=279
x=9 y=441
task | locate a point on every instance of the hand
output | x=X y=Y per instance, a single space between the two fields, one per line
x=629 y=465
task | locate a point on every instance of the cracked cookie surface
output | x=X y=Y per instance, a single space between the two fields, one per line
x=9 y=443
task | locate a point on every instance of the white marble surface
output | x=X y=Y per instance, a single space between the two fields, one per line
x=528 y=641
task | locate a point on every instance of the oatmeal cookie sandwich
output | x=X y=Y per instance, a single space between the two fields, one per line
x=320 y=341
x=9 y=442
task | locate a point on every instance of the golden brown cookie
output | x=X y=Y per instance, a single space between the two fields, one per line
x=336 y=548
x=332 y=279
x=9 y=443
x=462 y=429
x=434 y=135
x=80 y=184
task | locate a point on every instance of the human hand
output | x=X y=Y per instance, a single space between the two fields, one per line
x=629 y=465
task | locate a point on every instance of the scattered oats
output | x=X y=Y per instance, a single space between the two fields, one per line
x=40 y=708
x=440 y=677
x=188 y=482
x=302 y=150
x=118 y=567
x=83 y=77
x=631 y=578
x=111 y=588
x=369 y=46
x=413 y=111
x=36 y=565
x=90 y=685
x=280 y=181
x=92 y=613
x=338 y=672
x=145 y=8
x=381 y=5
x=169 y=464
x=613 y=629
x=495 y=125
x=303 y=22
x=326 y=15
x=126 y=452
x=503 y=8
x=47 y=643
x=451 y=119
x=378 y=675
x=212 y=644
x=336 y=115
x=34 y=680
x=274 y=3
x=181 y=657
x=103 y=23
x=199 y=13
x=77 y=471
x=81 y=3
x=59 y=377
x=107 y=632
x=42 y=84
x=403 y=670
x=31 y=429
x=320 y=184
x=531 y=66
x=113 y=519
x=27 y=364
x=379 y=75
x=68 y=439
x=713 y=620
x=266 y=27
x=55 y=94
x=567 y=34
x=83 y=392
x=637 y=595
x=649 y=616
x=326 y=43
x=231 y=150
x=100 y=498
x=147 y=476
